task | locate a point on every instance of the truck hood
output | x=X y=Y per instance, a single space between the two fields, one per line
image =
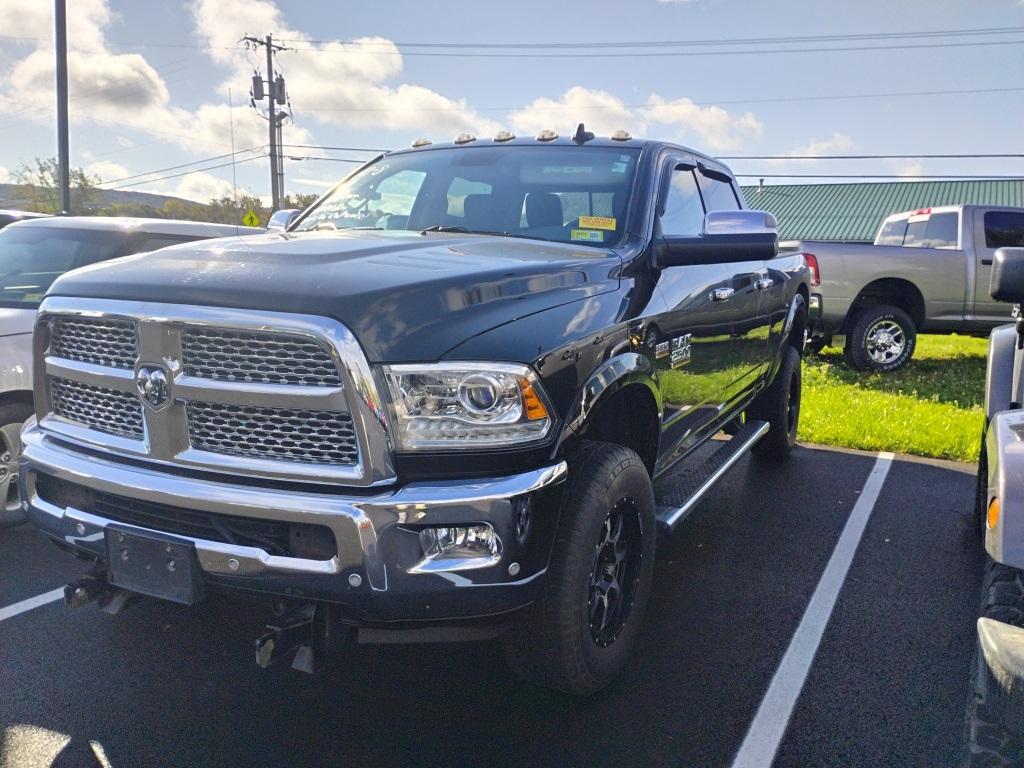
x=406 y=296
x=16 y=321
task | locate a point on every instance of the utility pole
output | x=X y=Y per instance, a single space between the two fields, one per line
x=275 y=94
x=63 y=152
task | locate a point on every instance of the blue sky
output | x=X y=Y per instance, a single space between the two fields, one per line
x=150 y=82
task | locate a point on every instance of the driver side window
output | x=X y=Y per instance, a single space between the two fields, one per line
x=684 y=211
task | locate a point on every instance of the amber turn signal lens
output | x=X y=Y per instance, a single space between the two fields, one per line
x=534 y=405
x=993 y=513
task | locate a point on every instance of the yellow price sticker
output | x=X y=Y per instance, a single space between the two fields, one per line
x=597 y=222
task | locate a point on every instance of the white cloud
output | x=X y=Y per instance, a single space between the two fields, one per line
x=5 y=175
x=107 y=170
x=342 y=83
x=837 y=142
x=911 y=170
x=709 y=127
x=202 y=187
x=602 y=112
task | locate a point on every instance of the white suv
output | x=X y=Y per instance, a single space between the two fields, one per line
x=34 y=253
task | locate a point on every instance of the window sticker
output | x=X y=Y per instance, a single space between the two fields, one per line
x=619 y=167
x=587 y=235
x=597 y=222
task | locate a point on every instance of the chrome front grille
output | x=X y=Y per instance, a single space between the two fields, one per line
x=270 y=358
x=112 y=343
x=285 y=434
x=278 y=396
x=102 y=409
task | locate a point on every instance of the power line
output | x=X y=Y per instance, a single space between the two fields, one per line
x=904 y=176
x=360 y=161
x=186 y=173
x=721 y=102
x=648 y=54
x=183 y=165
x=339 y=149
x=873 y=157
x=902 y=35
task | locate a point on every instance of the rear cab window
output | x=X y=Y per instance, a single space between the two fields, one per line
x=1004 y=229
x=922 y=230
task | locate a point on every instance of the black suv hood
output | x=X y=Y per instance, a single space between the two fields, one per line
x=406 y=296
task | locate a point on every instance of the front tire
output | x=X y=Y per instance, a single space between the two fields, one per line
x=582 y=631
x=989 y=743
x=779 y=405
x=881 y=339
x=12 y=418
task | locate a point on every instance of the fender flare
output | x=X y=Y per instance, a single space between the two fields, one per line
x=795 y=306
x=1002 y=349
x=622 y=370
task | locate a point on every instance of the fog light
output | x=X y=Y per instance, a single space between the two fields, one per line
x=459 y=548
x=993 y=513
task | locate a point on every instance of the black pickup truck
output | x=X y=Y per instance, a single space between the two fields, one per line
x=434 y=408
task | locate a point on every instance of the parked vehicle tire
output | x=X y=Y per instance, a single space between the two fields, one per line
x=881 y=338
x=989 y=743
x=779 y=405
x=582 y=631
x=12 y=417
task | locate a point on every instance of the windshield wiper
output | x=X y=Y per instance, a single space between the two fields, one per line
x=442 y=228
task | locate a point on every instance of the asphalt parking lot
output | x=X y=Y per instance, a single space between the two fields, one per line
x=163 y=685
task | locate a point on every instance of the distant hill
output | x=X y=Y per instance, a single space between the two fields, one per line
x=104 y=197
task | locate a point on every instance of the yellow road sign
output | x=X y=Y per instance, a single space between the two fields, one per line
x=250 y=219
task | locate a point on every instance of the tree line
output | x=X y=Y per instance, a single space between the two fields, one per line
x=37 y=189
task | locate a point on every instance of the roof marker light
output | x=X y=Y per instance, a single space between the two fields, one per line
x=921 y=212
x=621 y=135
x=547 y=135
x=421 y=143
x=465 y=138
x=503 y=136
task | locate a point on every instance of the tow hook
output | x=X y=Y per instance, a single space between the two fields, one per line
x=93 y=586
x=305 y=631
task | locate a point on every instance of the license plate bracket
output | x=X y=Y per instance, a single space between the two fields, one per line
x=154 y=564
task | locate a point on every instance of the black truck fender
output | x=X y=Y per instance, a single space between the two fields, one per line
x=626 y=369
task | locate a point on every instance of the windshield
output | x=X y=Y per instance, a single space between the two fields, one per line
x=31 y=258
x=563 y=194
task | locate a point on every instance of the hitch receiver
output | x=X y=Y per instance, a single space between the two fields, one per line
x=94 y=586
x=304 y=631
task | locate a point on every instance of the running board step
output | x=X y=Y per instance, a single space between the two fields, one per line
x=691 y=485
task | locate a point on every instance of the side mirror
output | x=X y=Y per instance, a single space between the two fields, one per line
x=1007 y=283
x=729 y=236
x=282 y=219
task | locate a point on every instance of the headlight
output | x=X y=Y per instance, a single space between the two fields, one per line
x=466 y=405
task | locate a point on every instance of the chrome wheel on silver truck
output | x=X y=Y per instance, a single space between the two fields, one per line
x=12 y=417
x=881 y=338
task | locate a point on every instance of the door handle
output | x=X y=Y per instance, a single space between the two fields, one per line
x=722 y=294
x=986 y=262
x=763 y=283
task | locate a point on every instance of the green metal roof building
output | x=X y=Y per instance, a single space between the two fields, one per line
x=855 y=211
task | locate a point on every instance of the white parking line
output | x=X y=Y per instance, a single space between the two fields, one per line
x=766 y=731
x=13 y=610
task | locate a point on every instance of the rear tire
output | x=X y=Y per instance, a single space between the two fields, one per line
x=582 y=631
x=881 y=339
x=779 y=405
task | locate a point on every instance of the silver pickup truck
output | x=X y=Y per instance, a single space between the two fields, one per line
x=928 y=270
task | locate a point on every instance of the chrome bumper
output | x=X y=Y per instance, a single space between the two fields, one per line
x=375 y=534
